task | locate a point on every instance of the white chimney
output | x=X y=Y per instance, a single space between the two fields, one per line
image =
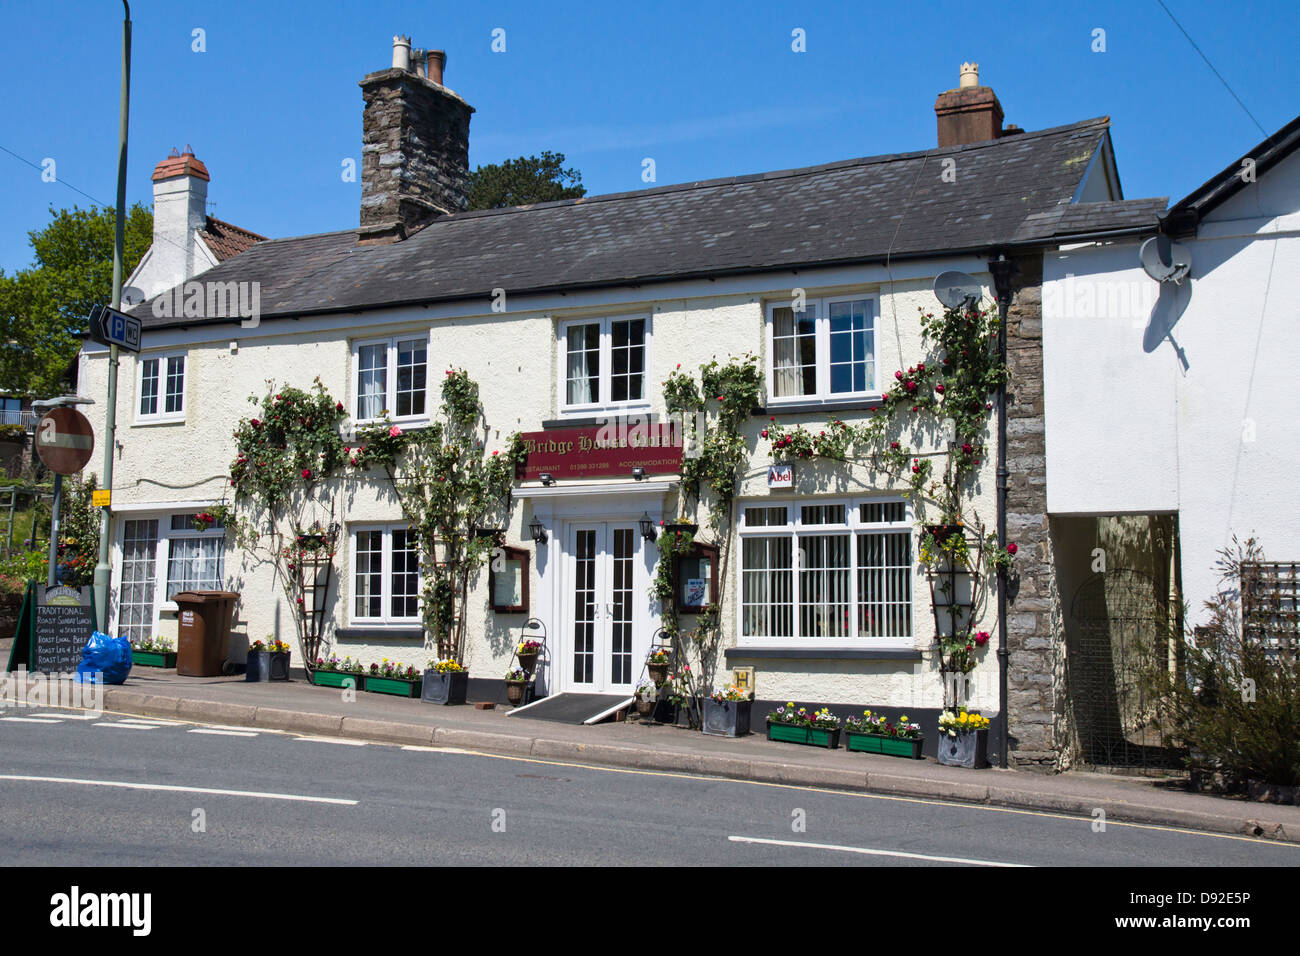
x=402 y=53
x=180 y=199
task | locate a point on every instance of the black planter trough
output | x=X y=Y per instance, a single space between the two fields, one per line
x=445 y=687
x=267 y=666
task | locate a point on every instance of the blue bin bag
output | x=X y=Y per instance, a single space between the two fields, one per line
x=107 y=656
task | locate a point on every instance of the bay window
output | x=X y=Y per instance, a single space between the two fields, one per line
x=835 y=573
x=822 y=352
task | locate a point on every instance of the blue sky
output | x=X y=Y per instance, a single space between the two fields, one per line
x=705 y=89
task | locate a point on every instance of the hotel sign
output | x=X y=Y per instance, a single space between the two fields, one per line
x=604 y=451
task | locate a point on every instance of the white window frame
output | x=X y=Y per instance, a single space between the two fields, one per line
x=606 y=365
x=854 y=528
x=386 y=592
x=822 y=348
x=163 y=359
x=161 y=557
x=390 y=392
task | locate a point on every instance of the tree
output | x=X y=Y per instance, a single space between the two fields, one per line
x=519 y=182
x=43 y=309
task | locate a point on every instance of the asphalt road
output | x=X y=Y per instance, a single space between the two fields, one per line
x=204 y=795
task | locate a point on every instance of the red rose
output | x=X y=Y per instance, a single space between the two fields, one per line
x=306 y=472
x=764 y=433
x=494 y=454
x=254 y=423
x=966 y=448
x=893 y=444
x=338 y=406
x=898 y=375
x=1011 y=548
x=939 y=388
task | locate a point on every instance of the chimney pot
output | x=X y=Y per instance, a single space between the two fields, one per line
x=401 y=53
x=970 y=76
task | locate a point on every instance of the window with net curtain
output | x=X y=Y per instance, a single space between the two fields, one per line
x=605 y=361
x=826 y=349
x=195 y=562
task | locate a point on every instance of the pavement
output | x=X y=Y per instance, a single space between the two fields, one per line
x=298 y=706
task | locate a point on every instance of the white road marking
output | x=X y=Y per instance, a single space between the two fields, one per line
x=869 y=852
x=125 y=726
x=151 y=721
x=262 y=730
x=442 y=750
x=32 y=720
x=127 y=785
x=79 y=715
x=334 y=740
x=224 y=733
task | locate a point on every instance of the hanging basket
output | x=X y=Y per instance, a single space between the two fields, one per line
x=528 y=661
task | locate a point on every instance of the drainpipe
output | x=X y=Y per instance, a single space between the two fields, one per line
x=1002 y=270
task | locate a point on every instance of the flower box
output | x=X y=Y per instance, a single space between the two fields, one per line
x=153 y=658
x=968 y=749
x=726 y=718
x=811 y=736
x=942 y=532
x=267 y=666
x=392 y=685
x=444 y=687
x=882 y=744
x=337 y=678
x=682 y=528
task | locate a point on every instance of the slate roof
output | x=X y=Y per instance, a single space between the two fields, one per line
x=227 y=240
x=857 y=210
x=1092 y=219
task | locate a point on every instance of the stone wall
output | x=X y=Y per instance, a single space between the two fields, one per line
x=414 y=154
x=1034 y=628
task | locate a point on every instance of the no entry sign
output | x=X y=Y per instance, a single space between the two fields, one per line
x=64 y=440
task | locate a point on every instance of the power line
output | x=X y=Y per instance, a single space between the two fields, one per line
x=1212 y=69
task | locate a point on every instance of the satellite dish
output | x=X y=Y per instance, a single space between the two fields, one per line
x=957 y=290
x=1165 y=260
x=131 y=296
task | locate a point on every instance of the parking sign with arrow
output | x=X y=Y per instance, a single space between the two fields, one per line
x=110 y=327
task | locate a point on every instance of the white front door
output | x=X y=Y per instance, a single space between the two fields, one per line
x=600 y=618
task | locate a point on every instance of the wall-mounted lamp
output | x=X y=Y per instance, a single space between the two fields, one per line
x=537 y=530
x=546 y=479
x=647 y=527
x=638 y=474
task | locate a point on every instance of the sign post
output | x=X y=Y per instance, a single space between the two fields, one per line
x=64 y=442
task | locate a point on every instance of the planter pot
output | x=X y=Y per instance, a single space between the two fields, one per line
x=665 y=712
x=337 y=678
x=811 y=736
x=658 y=672
x=515 y=691
x=392 y=685
x=962 y=585
x=968 y=749
x=727 y=718
x=448 y=688
x=528 y=662
x=881 y=744
x=646 y=706
x=153 y=658
x=266 y=666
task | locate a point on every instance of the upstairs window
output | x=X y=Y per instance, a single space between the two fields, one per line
x=160 y=385
x=826 y=351
x=604 y=362
x=391 y=377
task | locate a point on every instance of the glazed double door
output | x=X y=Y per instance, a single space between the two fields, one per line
x=602 y=606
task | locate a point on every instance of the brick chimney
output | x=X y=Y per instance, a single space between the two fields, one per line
x=415 y=146
x=969 y=114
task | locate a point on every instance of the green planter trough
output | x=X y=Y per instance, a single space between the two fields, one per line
x=153 y=658
x=336 y=679
x=880 y=744
x=390 y=685
x=810 y=736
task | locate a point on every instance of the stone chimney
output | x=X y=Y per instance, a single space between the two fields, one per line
x=415 y=146
x=180 y=199
x=969 y=114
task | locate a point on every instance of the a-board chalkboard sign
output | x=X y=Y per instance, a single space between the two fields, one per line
x=53 y=629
